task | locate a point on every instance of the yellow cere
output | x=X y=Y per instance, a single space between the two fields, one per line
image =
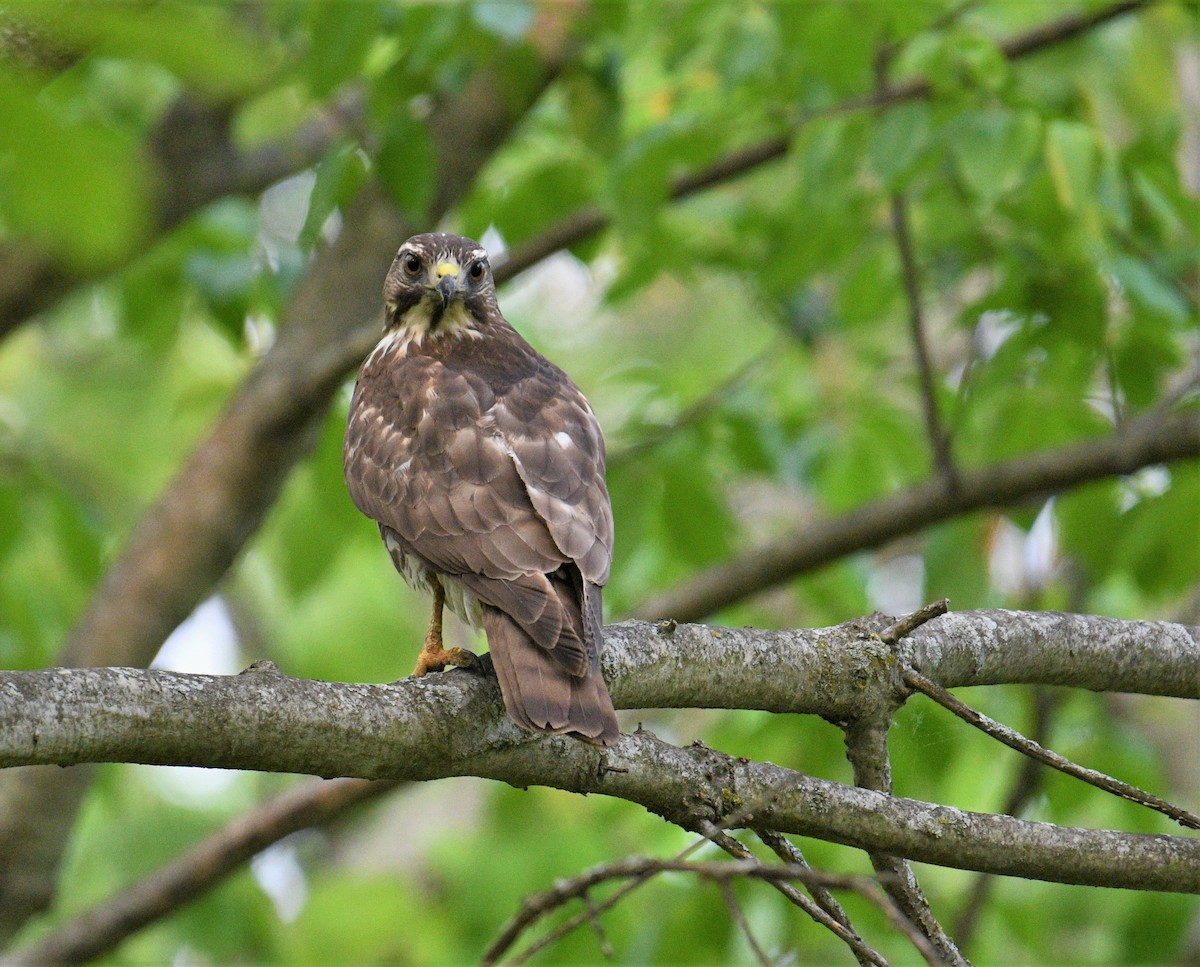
x=447 y=268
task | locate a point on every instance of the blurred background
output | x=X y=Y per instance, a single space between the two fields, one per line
x=761 y=204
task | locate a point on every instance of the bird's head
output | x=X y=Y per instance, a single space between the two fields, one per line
x=439 y=284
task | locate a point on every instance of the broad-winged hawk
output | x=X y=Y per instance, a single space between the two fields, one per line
x=483 y=465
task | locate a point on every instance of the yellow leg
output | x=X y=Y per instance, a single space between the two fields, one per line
x=434 y=656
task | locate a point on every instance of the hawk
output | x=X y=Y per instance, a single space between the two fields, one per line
x=483 y=465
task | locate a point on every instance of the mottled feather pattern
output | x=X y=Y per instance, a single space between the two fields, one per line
x=484 y=466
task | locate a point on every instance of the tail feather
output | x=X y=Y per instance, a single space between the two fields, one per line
x=542 y=695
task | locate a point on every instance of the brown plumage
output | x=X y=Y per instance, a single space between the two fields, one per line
x=483 y=465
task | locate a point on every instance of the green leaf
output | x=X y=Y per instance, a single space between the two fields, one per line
x=1158 y=540
x=1071 y=160
x=900 y=140
x=1088 y=518
x=342 y=33
x=79 y=189
x=204 y=45
x=339 y=175
x=992 y=150
x=1143 y=356
x=1149 y=290
x=407 y=166
x=955 y=61
x=152 y=297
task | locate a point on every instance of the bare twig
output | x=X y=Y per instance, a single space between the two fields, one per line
x=790 y=853
x=939 y=437
x=785 y=849
x=538 y=905
x=103 y=927
x=739 y=918
x=592 y=913
x=1015 y=740
x=1028 y=781
x=905 y=626
x=843 y=931
x=866 y=748
x=593 y=918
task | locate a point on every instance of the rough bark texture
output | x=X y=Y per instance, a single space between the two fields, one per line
x=454 y=724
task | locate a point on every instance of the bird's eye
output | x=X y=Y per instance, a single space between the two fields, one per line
x=476 y=271
x=412 y=264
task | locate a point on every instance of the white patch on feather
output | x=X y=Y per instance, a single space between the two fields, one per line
x=414 y=328
x=458 y=599
x=564 y=439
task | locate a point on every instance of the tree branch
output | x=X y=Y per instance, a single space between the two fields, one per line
x=189 y=538
x=454 y=724
x=939 y=438
x=194 y=163
x=106 y=925
x=866 y=748
x=816 y=543
x=1014 y=740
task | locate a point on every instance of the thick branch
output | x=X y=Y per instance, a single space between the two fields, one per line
x=454 y=724
x=816 y=543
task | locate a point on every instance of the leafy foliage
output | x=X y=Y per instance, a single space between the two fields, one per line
x=747 y=349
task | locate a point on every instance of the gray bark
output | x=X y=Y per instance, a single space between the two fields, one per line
x=453 y=724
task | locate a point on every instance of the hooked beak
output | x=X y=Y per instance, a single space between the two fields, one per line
x=446 y=286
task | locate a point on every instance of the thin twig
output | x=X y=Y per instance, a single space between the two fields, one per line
x=520 y=922
x=1027 y=783
x=910 y=623
x=593 y=915
x=739 y=918
x=785 y=849
x=843 y=932
x=1015 y=740
x=538 y=905
x=790 y=853
x=939 y=437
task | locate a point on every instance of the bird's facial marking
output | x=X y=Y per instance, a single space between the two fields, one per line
x=438 y=284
